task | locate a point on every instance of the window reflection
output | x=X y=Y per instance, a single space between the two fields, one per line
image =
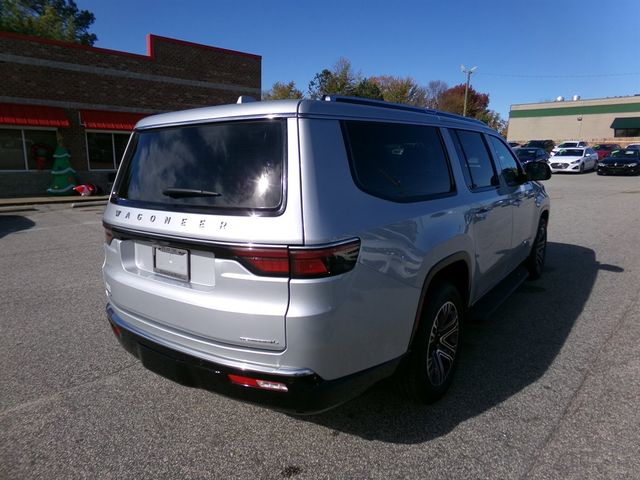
x=243 y=161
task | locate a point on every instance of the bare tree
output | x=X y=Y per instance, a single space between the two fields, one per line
x=434 y=91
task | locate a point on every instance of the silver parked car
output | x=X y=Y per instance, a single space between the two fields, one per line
x=292 y=253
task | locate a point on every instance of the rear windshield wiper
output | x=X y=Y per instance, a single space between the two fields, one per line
x=188 y=192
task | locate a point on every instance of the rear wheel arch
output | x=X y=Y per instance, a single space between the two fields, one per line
x=454 y=269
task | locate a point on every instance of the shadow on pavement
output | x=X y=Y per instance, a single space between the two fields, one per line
x=14 y=223
x=501 y=357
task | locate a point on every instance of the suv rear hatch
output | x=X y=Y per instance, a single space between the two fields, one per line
x=202 y=216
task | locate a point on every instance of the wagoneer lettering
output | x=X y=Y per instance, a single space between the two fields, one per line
x=363 y=235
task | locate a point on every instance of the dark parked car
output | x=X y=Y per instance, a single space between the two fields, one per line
x=604 y=149
x=514 y=144
x=526 y=155
x=547 y=145
x=621 y=162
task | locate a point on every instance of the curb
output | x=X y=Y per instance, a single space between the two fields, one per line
x=94 y=203
x=75 y=200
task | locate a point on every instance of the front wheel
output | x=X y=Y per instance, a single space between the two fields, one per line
x=535 y=261
x=436 y=347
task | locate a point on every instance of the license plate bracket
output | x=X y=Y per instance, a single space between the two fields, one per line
x=172 y=262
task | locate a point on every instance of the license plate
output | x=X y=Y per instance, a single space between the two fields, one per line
x=170 y=261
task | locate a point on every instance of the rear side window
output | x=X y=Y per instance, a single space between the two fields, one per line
x=231 y=166
x=476 y=162
x=398 y=162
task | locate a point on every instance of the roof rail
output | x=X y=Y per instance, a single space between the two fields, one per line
x=396 y=106
x=373 y=103
x=246 y=99
x=459 y=117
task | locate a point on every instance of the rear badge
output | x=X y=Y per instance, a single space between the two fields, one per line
x=258 y=340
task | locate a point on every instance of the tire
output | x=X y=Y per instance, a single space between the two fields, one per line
x=436 y=347
x=535 y=261
x=582 y=168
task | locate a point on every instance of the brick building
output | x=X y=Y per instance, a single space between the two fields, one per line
x=90 y=98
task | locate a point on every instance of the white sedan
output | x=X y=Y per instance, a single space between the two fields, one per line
x=574 y=160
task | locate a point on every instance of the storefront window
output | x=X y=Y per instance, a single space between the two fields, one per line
x=627 y=132
x=105 y=149
x=40 y=145
x=120 y=143
x=25 y=149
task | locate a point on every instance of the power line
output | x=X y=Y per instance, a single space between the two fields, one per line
x=594 y=75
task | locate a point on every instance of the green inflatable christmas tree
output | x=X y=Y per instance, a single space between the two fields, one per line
x=63 y=176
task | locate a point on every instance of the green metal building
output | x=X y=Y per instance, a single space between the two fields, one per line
x=599 y=120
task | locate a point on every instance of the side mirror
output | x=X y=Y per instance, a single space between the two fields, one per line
x=538 y=171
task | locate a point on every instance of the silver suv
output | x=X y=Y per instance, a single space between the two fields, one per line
x=292 y=253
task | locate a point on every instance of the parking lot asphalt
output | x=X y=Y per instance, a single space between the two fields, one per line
x=547 y=388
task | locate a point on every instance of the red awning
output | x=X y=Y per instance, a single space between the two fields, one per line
x=102 y=120
x=32 y=115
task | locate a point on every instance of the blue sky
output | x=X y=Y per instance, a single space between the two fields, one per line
x=525 y=50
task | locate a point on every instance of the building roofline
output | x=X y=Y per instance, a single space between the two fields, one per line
x=151 y=37
x=569 y=102
x=150 y=43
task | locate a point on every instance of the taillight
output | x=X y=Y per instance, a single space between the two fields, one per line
x=108 y=235
x=299 y=262
x=264 y=261
x=324 y=262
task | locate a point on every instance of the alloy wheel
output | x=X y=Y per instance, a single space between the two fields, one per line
x=541 y=246
x=443 y=344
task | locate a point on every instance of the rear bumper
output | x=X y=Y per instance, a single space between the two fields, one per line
x=307 y=393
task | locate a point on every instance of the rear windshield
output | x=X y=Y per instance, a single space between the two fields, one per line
x=526 y=153
x=232 y=165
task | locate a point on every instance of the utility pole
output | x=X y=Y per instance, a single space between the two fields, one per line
x=468 y=71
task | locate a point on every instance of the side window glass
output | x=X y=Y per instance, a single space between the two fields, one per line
x=509 y=169
x=477 y=163
x=462 y=157
x=398 y=161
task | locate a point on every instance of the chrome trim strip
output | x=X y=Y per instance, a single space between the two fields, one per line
x=291 y=372
x=167 y=237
